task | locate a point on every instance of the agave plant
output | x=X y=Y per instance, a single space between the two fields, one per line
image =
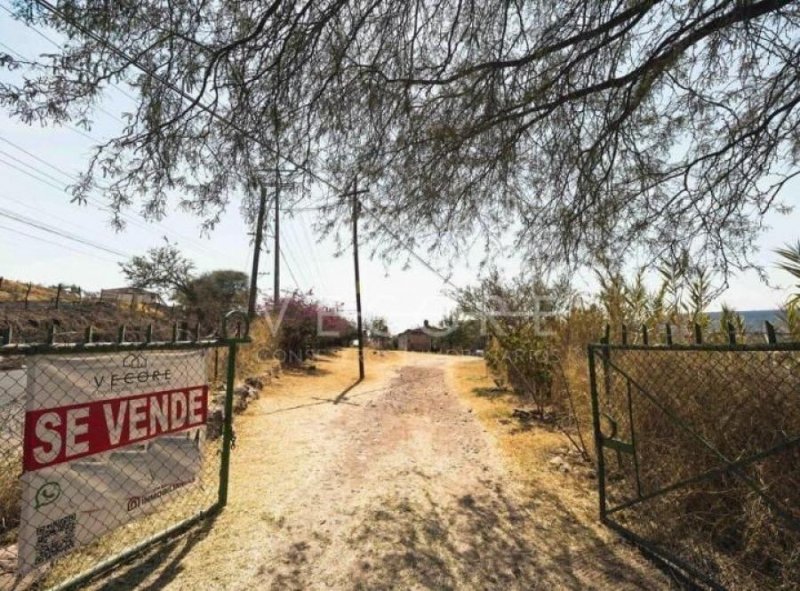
x=790 y=255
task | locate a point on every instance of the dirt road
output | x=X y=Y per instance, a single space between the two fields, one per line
x=396 y=487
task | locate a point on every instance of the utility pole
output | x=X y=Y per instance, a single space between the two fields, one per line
x=262 y=206
x=276 y=294
x=356 y=208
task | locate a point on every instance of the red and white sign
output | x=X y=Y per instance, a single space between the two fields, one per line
x=107 y=438
x=61 y=434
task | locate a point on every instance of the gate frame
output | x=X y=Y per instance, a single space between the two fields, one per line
x=228 y=339
x=664 y=558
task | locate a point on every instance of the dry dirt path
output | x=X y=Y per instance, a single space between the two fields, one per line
x=397 y=487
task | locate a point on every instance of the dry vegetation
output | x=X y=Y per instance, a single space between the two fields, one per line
x=726 y=405
x=74 y=314
x=691 y=411
x=398 y=486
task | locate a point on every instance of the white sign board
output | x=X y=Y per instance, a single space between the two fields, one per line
x=107 y=438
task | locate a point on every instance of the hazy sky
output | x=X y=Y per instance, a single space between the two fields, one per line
x=32 y=189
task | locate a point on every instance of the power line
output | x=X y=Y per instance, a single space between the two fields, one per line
x=33 y=168
x=47 y=228
x=59 y=244
x=289 y=268
x=128 y=218
x=38 y=211
x=38 y=159
x=58 y=45
x=197 y=102
x=33 y=176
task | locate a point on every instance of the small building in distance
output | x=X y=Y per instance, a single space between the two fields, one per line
x=418 y=339
x=129 y=296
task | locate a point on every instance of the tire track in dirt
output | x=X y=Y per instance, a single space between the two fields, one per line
x=417 y=498
x=397 y=487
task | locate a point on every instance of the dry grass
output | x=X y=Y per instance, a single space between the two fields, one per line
x=14 y=291
x=728 y=403
x=393 y=488
x=9 y=494
x=528 y=449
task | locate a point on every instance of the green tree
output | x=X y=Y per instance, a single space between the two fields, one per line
x=162 y=268
x=207 y=296
x=211 y=295
x=574 y=127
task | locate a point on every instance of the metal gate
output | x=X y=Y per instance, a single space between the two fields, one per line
x=698 y=456
x=107 y=448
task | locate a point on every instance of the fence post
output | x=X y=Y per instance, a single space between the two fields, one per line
x=6 y=336
x=227 y=429
x=58 y=296
x=598 y=436
x=27 y=294
x=606 y=340
x=771 y=336
x=731 y=334
x=669 y=333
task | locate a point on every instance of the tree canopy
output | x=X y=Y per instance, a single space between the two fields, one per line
x=572 y=128
x=209 y=295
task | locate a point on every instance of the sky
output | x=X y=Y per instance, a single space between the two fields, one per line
x=37 y=164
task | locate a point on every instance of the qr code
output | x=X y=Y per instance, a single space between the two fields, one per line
x=55 y=538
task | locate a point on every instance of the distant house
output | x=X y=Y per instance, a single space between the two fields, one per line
x=129 y=296
x=379 y=341
x=418 y=339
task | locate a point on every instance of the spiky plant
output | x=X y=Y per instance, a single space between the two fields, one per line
x=700 y=291
x=730 y=316
x=673 y=279
x=790 y=262
x=791 y=318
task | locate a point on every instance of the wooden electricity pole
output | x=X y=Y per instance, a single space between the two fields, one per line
x=262 y=206
x=276 y=293
x=356 y=208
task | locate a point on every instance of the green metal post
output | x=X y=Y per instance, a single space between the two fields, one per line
x=227 y=429
x=598 y=436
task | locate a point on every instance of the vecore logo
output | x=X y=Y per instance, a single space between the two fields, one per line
x=135 y=373
x=135 y=361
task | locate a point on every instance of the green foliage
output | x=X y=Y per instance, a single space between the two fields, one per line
x=213 y=294
x=567 y=127
x=729 y=317
x=208 y=296
x=162 y=268
x=463 y=333
x=791 y=318
x=521 y=317
x=790 y=262
x=681 y=299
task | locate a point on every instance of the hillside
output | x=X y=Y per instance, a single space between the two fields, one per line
x=31 y=321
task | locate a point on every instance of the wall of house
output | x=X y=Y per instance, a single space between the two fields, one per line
x=414 y=342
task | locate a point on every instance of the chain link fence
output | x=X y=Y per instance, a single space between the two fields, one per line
x=104 y=449
x=699 y=457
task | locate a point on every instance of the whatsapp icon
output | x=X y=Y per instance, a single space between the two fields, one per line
x=48 y=493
